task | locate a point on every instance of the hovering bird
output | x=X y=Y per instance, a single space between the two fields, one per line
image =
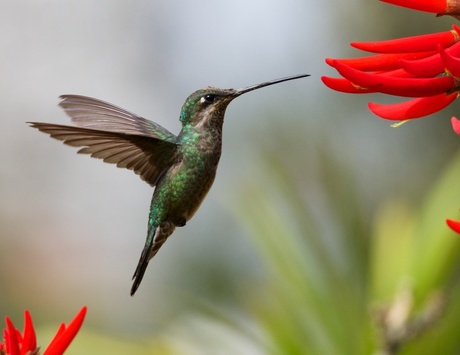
x=181 y=168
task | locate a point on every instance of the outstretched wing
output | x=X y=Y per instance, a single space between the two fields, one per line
x=115 y=135
x=97 y=114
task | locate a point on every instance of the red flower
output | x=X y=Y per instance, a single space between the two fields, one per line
x=440 y=7
x=16 y=344
x=425 y=68
x=455 y=125
x=454 y=225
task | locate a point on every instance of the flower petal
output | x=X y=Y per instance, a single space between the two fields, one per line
x=407 y=87
x=434 y=6
x=454 y=225
x=455 y=125
x=29 y=341
x=414 y=108
x=424 y=68
x=11 y=340
x=380 y=61
x=451 y=63
x=429 y=66
x=65 y=335
x=343 y=85
x=427 y=42
x=398 y=73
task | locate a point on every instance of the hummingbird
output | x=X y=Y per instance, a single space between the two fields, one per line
x=181 y=168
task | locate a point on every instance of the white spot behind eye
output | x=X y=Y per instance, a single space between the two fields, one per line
x=203 y=100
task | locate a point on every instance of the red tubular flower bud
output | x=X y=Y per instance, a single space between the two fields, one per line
x=456 y=29
x=380 y=61
x=29 y=341
x=429 y=66
x=428 y=42
x=407 y=87
x=65 y=335
x=11 y=338
x=414 y=108
x=452 y=64
x=433 y=6
x=425 y=67
x=455 y=125
x=343 y=85
x=398 y=73
x=454 y=225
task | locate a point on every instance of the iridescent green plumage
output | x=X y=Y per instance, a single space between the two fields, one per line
x=182 y=169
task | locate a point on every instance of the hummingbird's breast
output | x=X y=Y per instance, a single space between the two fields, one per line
x=190 y=179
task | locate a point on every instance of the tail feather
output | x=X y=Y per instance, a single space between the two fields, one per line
x=140 y=270
x=152 y=245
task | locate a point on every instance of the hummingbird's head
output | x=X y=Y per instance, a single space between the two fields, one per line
x=206 y=106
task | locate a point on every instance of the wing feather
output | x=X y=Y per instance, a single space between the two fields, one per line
x=87 y=112
x=148 y=156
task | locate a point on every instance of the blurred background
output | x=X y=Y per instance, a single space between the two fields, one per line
x=322 y=217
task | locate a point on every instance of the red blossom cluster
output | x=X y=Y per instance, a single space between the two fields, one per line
x=425 y=68
x=15 y=343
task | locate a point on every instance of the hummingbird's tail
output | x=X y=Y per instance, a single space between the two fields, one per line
x=152 y=245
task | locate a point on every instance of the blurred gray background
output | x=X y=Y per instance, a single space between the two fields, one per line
x=72 y=228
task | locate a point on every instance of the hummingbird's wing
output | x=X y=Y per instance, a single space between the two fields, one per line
x=115 y=135
x=97 y=114
x=146 y=156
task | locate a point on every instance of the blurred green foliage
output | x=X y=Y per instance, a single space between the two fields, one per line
x=327 y=294
x=351 y=281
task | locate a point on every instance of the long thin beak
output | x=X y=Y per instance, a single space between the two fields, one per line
x=239 y=92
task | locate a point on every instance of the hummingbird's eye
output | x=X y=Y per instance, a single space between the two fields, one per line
x=208 y=98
